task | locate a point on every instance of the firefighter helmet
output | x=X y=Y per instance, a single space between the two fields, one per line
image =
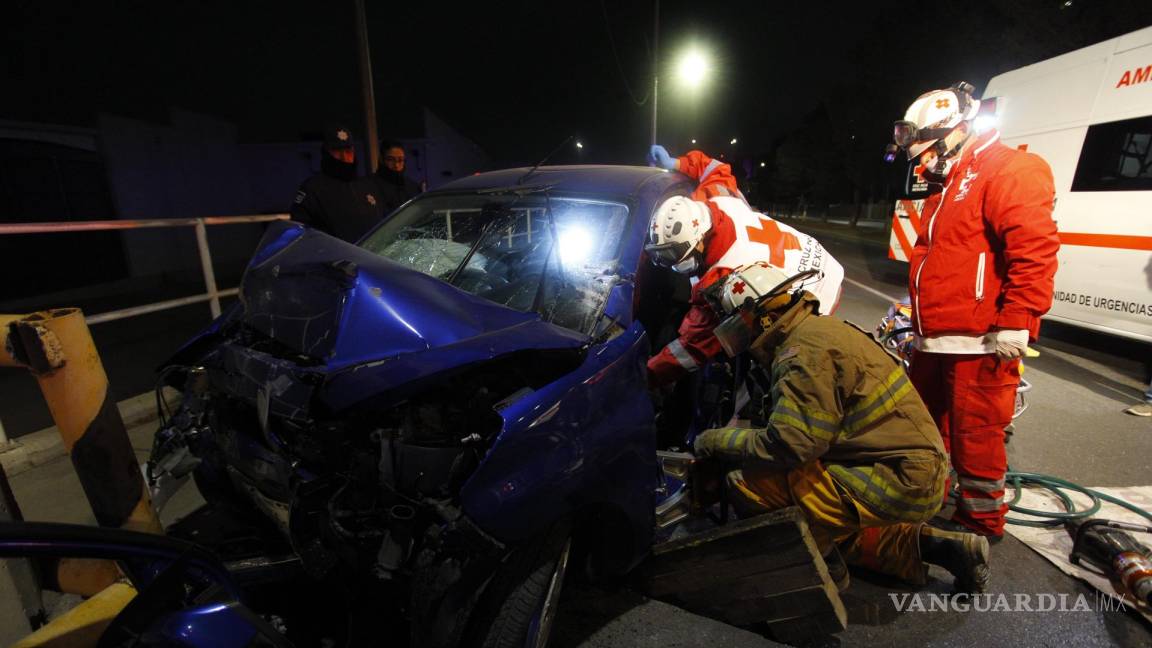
x=747 y=296
x=759 y=284
x=678 y=226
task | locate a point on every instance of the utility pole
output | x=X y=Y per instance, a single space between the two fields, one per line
x=372 y=142
x=655 y=66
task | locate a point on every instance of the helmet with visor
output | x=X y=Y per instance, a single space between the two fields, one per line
x=747 y=296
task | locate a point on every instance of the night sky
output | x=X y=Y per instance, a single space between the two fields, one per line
x=518 y=77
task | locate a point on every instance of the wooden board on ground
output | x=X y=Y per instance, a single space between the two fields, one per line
x=765 y=569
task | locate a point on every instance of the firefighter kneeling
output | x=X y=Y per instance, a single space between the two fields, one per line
x=848 y=439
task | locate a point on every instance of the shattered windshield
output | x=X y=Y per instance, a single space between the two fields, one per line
x=555 y=256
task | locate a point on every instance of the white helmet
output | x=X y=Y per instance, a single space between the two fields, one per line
x=678 y=226
x=747 y=294
x=933 y=116
x=754 y=282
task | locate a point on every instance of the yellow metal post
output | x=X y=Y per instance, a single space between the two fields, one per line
x=57 y=347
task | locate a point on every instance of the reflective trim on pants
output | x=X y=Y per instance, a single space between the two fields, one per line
x=980 y=505
x=834 y=518
x=983 y=485
x=971 y=399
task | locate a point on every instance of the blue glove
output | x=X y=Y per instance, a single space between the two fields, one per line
x=658 y=156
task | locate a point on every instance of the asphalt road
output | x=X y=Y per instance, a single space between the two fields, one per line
x=1074 y=428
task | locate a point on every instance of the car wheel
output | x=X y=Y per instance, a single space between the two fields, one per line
x=520 y=602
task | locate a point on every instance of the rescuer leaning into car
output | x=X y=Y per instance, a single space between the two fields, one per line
x=848 y=439
x=706 y=236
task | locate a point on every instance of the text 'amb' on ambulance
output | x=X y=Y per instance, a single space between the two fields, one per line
x=1088 y=113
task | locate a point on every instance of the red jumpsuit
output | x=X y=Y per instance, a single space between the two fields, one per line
x=984 y=260
x=739 y=236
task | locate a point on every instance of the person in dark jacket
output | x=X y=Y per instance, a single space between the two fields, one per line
x=334 y=201
x=392 y=187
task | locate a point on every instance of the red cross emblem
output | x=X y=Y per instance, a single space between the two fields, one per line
x=942 y=103
x=738 y=288
x=696 y=223
x=777 y=240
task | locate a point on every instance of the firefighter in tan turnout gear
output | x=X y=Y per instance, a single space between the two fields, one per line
x=848 y=439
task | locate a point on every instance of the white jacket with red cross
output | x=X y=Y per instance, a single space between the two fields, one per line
x=985 y=256
x=739 y=236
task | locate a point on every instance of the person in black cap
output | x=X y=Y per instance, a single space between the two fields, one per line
x=334 y=201
x=392 y=187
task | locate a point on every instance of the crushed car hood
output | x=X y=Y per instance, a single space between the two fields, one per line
x=342 y=306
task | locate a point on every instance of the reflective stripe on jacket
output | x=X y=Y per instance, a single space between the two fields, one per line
x=837 y=396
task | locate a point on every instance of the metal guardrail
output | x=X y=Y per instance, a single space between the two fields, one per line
x=211 y=295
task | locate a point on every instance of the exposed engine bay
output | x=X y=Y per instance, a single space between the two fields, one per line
x=367 y=498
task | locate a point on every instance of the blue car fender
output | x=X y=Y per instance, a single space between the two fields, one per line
x=586 y=440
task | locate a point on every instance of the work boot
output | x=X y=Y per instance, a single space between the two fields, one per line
x=963 y=554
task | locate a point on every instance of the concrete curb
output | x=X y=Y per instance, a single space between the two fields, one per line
x=40 y=447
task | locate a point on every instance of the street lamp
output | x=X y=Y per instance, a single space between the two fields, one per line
x=692 y=68
x=579 y=145
x=733 y=141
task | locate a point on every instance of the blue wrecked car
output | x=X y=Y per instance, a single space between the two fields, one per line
x=447 y=415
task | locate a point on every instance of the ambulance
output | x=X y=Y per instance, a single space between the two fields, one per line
x=1088 y=113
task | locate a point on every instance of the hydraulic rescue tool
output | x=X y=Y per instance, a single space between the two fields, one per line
x=1105 y=545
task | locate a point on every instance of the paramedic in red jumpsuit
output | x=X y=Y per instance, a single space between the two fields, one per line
x=981 y=275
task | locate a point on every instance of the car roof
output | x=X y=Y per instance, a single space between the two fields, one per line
x=616 y=180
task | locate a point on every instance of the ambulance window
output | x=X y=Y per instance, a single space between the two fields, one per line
x=1117 y=156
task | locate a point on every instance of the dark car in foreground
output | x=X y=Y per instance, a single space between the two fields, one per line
x=446 y=415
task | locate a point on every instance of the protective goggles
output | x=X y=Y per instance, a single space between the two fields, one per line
x=905 y=134
x=667 y=255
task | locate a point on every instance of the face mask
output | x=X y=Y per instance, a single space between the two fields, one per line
x=946 y=156
x=938 y=171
